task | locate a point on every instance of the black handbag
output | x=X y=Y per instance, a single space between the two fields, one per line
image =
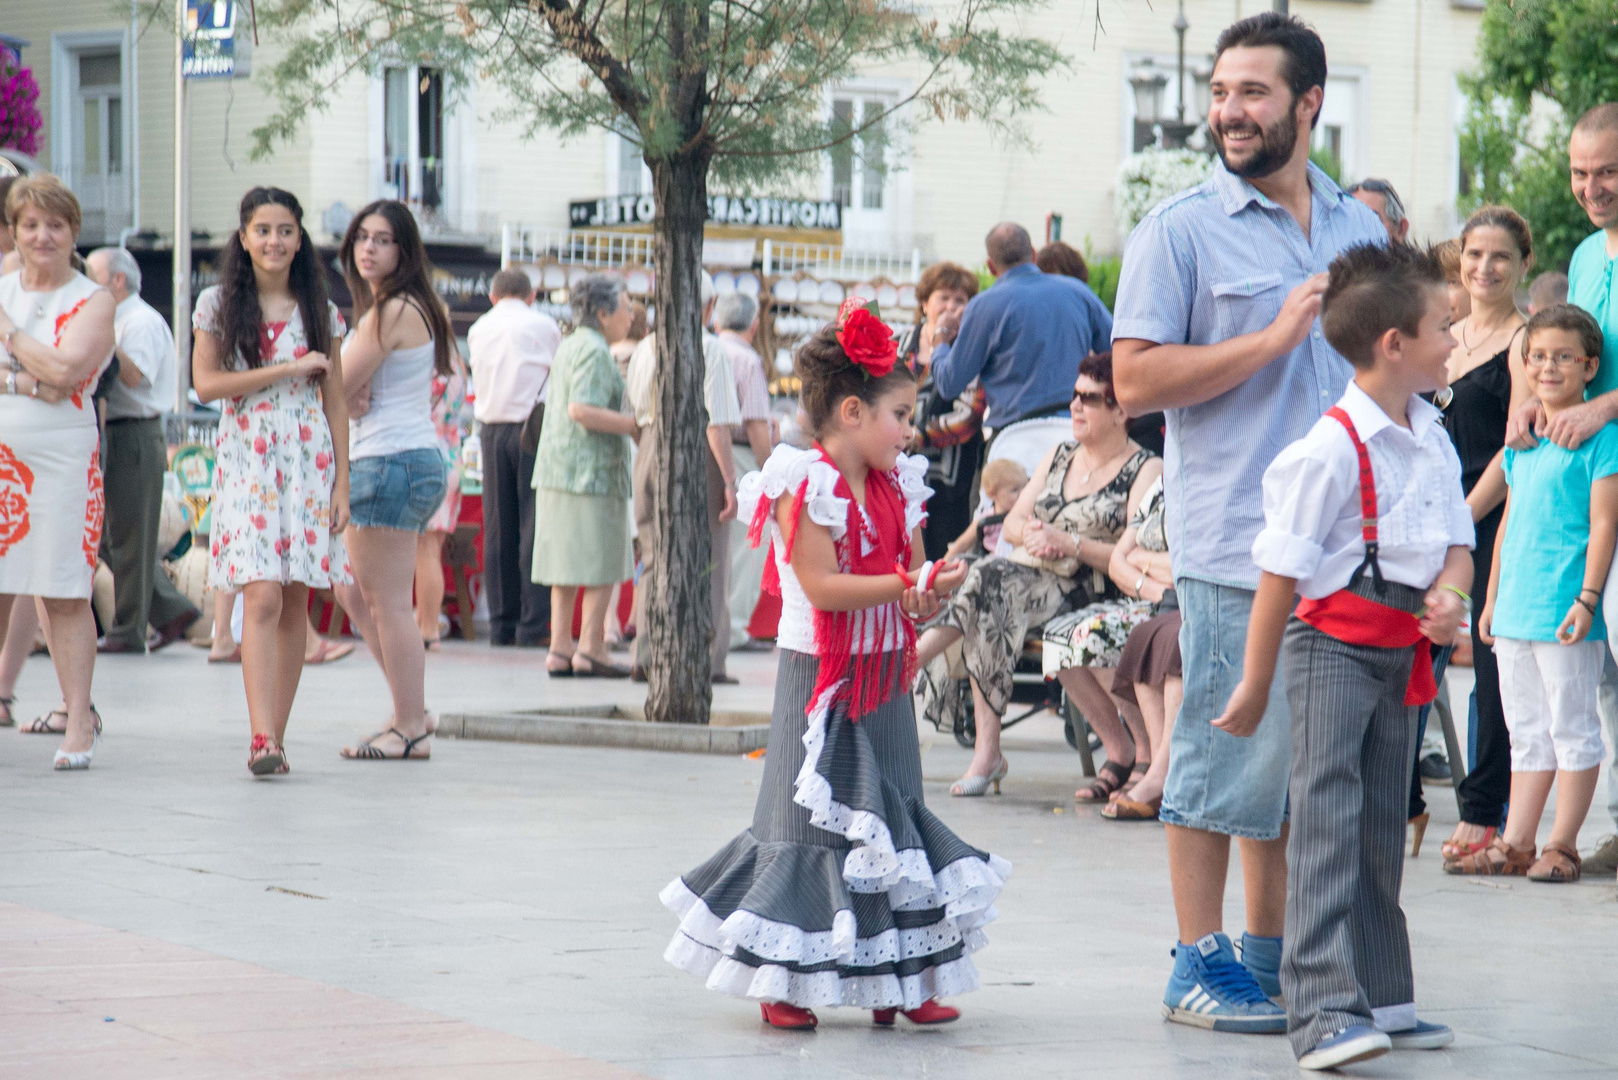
x=531 y=427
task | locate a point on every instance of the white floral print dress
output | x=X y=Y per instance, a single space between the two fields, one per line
x=274 y=470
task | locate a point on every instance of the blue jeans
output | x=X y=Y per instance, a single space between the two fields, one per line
x=1218 y=782
x=396 y=491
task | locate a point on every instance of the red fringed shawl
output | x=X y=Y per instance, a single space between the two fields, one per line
x=871 y=544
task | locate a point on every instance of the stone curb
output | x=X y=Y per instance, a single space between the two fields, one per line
x=602 y=726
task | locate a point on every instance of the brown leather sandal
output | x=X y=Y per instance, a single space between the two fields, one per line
x=1499 y=859
x=1557 y=863
x=1112 y=777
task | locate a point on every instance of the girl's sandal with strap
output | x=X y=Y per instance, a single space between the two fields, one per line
x=1499 y=859
x=41 y=725
x=264 y=756
x=1113 y=776
x=368 y=751
x=1557 y=863
x=1453 y=849
x=8 y=720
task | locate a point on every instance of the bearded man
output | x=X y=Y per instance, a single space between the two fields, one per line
x=1216 y=324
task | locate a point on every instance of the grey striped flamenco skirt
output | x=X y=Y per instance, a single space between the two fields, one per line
x=846 y=890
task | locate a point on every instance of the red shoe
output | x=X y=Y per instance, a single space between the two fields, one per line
x=930 y=1012
x=790 y=1017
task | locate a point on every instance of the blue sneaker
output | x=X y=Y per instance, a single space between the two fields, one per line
x=1262 y=956
x=1211 y=989
x=1358 y=1043
x=1424 y=1036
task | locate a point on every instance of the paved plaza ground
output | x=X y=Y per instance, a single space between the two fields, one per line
x=494 y=913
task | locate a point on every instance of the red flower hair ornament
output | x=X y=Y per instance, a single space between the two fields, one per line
x=865 y=338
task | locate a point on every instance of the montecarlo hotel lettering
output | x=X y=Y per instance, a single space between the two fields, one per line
x=722 y=210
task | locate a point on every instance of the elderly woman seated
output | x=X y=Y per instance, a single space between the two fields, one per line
x=1063 y=526
x=1119 y=660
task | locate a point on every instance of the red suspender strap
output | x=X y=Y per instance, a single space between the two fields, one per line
x=1367 y=500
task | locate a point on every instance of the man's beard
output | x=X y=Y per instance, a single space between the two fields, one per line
x=1275 y=148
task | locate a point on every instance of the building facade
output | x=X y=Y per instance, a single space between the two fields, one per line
x=107 y=89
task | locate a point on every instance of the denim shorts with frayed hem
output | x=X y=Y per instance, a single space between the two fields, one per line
x=396 y=491
x=1219 y=782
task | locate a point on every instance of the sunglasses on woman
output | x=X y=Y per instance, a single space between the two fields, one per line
x=1093 y=399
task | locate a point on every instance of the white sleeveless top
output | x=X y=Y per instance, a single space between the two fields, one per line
x=401 y=413
x=44 y=316
x=784 y=472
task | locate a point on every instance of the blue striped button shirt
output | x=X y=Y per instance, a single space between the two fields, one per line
x=1209 y=264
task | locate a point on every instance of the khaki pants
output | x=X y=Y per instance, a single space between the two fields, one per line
x=135 y=463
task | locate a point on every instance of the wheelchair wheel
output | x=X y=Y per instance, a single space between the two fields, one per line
x=1072 y=722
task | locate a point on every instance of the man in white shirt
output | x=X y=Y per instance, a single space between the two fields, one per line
x=134 y=461
x=724 y=411
x=511 y=347
x=735 y=317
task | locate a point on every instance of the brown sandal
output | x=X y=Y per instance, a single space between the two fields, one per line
x=1113 y=776
x=1498 y=859
x=1557 y=863
x=1127 y=809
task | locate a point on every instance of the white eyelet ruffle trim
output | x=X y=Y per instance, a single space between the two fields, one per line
x=788 y=467
x=809 y=990
x=785 y=943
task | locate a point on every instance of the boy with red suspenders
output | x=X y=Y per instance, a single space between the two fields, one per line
x=1365 y=519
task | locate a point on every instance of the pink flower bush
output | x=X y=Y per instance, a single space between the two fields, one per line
x=20 y=122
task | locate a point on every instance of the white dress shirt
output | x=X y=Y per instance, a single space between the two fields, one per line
x=511 y=347
x=144 y=336
x=1312 y=526
x=718 y=382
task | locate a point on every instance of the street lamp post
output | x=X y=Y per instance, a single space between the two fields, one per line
x=1175 y=134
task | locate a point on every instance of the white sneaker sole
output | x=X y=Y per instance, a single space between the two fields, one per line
x=1242 y=1025
x=1433 y=1040
x=1362 y=1049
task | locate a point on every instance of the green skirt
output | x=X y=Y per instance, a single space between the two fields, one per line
x=581 y=539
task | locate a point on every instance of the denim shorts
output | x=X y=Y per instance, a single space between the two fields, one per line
x=396 y=491
x=1218 y=782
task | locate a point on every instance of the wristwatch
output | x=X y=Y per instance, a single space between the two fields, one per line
x=11 y=382
x=1138 y=585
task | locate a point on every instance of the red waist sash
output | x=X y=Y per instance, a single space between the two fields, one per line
x=1357 y=620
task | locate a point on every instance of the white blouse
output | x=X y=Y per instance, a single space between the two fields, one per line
x=784 y=472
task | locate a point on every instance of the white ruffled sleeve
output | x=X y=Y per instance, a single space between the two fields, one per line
x=912 y=473
x=783 y=473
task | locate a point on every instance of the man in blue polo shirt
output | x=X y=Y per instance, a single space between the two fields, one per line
x=1216 y=323
x=1023 y=338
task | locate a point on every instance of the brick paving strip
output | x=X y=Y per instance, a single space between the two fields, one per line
x=79 y=1000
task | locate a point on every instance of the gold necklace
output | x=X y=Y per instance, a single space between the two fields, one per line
x=1085 y=479
x=1493 y=330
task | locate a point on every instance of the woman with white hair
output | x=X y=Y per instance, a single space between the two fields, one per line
x=582 y=480
x=56 y=338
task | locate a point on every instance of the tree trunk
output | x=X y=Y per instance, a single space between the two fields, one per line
x=678 y=606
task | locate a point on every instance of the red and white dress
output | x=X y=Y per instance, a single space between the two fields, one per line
x=51 y=500
x=275 y=467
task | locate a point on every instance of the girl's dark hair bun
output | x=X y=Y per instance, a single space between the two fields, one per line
x=829 y=377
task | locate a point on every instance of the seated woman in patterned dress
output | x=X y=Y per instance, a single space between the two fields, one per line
x=1087 y=651
x=1063 y=527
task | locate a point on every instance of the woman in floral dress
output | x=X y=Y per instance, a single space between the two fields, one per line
x=267 y=341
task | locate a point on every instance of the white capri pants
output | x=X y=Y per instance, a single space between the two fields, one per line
x=1550 y=691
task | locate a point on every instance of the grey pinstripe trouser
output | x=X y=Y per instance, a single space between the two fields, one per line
x=1353 y=739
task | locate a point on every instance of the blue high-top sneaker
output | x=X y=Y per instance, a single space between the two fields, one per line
x=1262 y=956
x=1210 y=988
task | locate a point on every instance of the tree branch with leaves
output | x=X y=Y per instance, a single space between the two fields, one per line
x=727 y=90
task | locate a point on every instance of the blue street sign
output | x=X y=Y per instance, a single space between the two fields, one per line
x=210 y=39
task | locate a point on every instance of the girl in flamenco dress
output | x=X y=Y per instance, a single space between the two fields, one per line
x=846 y=890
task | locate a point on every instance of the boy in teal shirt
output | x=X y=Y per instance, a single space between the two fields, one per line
x=1543 y=612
